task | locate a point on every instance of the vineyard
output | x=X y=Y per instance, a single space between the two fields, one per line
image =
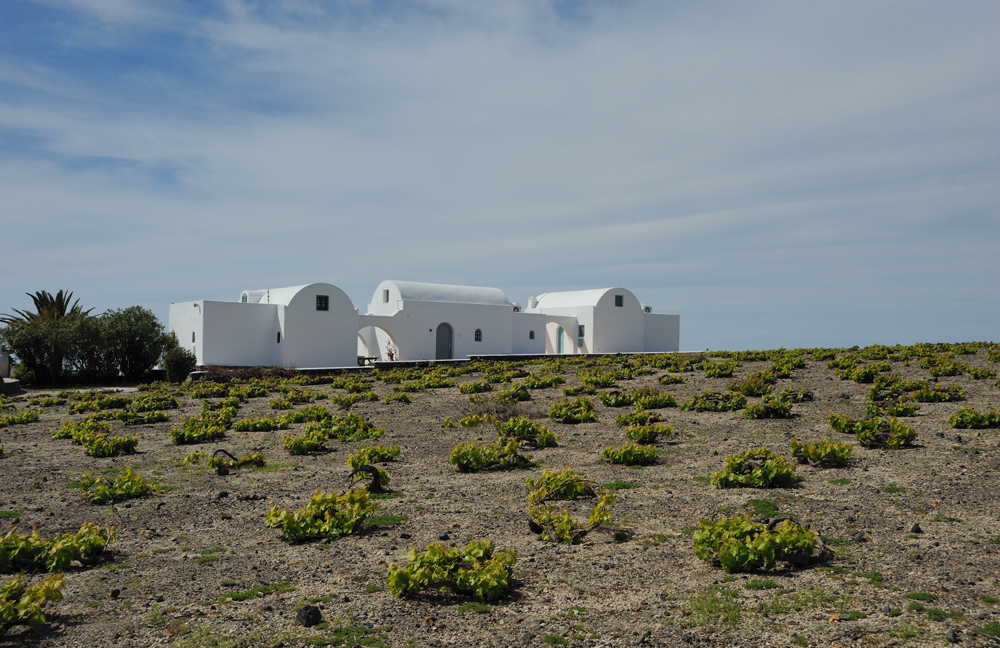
x=791 y=497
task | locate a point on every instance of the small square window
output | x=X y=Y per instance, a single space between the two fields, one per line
x=581 y=332
x=322 y=302
x=619 y=301
x=385 y=296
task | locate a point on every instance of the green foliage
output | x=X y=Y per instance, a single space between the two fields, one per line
x=649 y=398
x=822 y=452
x=886 y=432
x=325 y=516
x=757 y=383
x=178 y=362
x=630 y=454
x=30 y=552
x=369 y=455
x=21 y=418
x=565 y=485
x=951 y=394
x=346 y=401
x=578 y=410
x=942 y=365
x=740 y=545
x=796 y=395
x=769 y=407
x=260 y=424
x=598 y=378
x=616 y=399
x=714 y=605
x=308 y=414
x=981 y=373
x=513 y=394
x=300 y=444
x=638 y=417
x=477 y=570
x=865 y=374
x=399 y=398
x=96 y=437
x=475 y=420
x=469 y=457
x=255 y=459
x=128 y=485
x=720 y=370
x=711 y=401
x=759 y=468
x=648 y=433
x=671 y=380
x=968 y=419
x=23 y=605
x=533 y=381
x=475 y=387
x=522 y=428
x=562 y=527
x=211 y=424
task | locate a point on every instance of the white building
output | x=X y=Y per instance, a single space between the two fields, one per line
x=425 y=321
x=311 y=326
x=605 y=320
x=317 y=326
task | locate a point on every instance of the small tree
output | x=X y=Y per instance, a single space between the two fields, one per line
x=135 y=340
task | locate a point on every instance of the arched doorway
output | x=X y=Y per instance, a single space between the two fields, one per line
x=444 y=342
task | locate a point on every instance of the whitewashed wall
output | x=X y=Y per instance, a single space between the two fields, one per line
x=617 y=329
x=661 y=332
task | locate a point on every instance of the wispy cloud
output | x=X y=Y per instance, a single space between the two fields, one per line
x=776 y=173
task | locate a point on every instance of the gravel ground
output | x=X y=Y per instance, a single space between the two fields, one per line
x=156 y=588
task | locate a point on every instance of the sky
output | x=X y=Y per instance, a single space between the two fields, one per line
x=779 y=174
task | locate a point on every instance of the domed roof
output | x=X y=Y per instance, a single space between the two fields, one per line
x=429 y=292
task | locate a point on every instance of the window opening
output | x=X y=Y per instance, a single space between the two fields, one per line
x=531 y=335
x=385 y=295
x=244 y=298
x=279 y=337
x=479 y=335
x=619 y=301
x=580 y=333
x=322 y=302
x=192 y=337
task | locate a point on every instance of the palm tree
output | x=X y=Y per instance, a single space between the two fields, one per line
x=48 y=307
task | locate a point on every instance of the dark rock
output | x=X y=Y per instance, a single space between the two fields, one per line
x=221 y=495
x=404 y=536
x=115 y=593
x=444 y=536
x=916 y=528
x=686 y=638
x=844 y=617
x=309 y=616
x=158 y=598
x=887 y=609
x=534 y=527
x=221 y=471
x=645 y=637
x=527 y=636
x=951 y=636
x=267 y=608
x=860 y=537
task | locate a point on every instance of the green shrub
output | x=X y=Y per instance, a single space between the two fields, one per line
x=369 y=455
x=886 y=432
x=981 y=373
x=616 y=399
x=515 y=393
x=477 y=570
x=740 y=545
x=522 y=428
x=578 y=410
x=864 y=374
x=630 y=454
x=469 y=457
x=309 y=414
x=598 y=378
x=399 y=398
x=968 y=419
x=647 y=433
x=565 y=485
x=671 y=380
x=822 y=452
x=542 y=382
x=720 y=370
x=759 y=468
x=128 y=485
x=325 y=516
x=22 y=605
x=347 y=400
x=261 y=424
x=21 y=418
x=301 y=444
x=475 y=387
x=255 y=459
x=475 y=420
x=638 y=417
x=711 y=401
x=30 y=552
x=562 y=527
x=648 y=398
x=179 y=363
x=769 y=407
x=950 y=394
x=796 y=395
x=96 y=437
x=757 y=383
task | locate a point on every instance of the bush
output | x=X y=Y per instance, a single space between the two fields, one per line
x=578 y=410
x=468 y=457
x=822 y=452
x=96 y=437
x=616 y=399
x=769 y=407
x=648 y=398
x=24 y=552
x=630 y=454
x=522 y=428
x=179 y=363
x=760 y=468
x=756 y=384
x=20 y=605
x=515 y=393
x=542 y=382
x=720 y=370
x=566 y=485
x=477 y=570
x=368 y=455
x=711 y=401
x=128 y=485
x=647 y=433
x=671 y=380
x=940 y=395
x=638 y=417
x=325 y=516
x=136 y=340
x=979 y=373
x=475 y=387
x=563 y=527
x=740 y=545
x=968 y=419
x=256 y=459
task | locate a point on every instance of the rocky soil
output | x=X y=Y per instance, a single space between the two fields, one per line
x=157 y=588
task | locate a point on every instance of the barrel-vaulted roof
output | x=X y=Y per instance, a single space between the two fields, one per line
x=571 y=298
x=429 y=292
